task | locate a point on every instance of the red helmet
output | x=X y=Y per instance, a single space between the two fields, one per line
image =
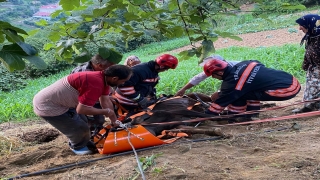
x=167 y=60
x=214 y=65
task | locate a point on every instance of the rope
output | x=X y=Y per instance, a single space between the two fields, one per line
x=106 y=157
x=133 y=149
x=245 y=113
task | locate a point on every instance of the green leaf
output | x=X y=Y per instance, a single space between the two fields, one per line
x=228 y=35
x=69 y=5
x=48 y=46
x=100 y=11
x=151 y=32
x=185 y=55
x=104 y=52
x=2 y=38
x=11 y=61
x=195 y=19
x=28 y=49
x=214 y=23
x=14 y=49
x=207 y=45
x=110 y=54
x=82 y=34
x=131 y=8
x=54 y=36
x=130 y=16
x=83 y=57
x=172 y=5
x=139 y=2
x=81 y=8
x=12 y=36
x=42 y=22
x=236 y=38
x=37 y=61
x=213 y=39
x=56 y=13
x=115 y=56
x=33 y=32
x=6 y=26
x=178 y=31
x=102 y=33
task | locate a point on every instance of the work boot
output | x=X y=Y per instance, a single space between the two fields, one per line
x=302 y=110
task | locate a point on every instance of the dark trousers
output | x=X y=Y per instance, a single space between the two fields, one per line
x=72 y=125
x=260 y=96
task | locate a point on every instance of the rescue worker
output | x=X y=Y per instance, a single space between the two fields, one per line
x=195 y=80
x=248 y=80
x=132 y=61
x=97 y=63
x=139 y=91
x=61 y=103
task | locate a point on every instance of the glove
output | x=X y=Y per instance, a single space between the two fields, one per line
x=143 y=103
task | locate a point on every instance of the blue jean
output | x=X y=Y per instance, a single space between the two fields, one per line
x=72 y=125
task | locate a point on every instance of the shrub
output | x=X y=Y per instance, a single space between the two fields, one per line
x=11 y=81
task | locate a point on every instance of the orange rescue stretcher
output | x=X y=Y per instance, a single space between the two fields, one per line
x=116 y=142
x=108 y=142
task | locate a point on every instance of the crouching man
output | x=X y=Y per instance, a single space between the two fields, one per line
x=61 y=103
x=248 y=80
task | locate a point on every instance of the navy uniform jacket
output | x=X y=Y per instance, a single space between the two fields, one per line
x=249 y=76
x=140 y=85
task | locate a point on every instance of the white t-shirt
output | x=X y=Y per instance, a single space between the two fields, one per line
x=202 y=76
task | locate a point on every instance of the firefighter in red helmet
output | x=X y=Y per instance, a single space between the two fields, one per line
x=248 y=81
x=139 y=91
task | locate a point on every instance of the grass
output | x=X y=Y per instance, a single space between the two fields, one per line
x=17 y=105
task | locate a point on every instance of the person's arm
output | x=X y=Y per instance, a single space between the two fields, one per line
x=106 y=103
x=193 y=82
x=183 y=90
x=89 y=110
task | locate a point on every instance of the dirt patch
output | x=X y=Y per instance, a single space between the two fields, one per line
x=40 y=136
x=259 y=39
x=285 y=149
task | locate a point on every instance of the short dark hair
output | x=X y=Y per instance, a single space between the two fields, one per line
x=97 y=59
x=121 y=71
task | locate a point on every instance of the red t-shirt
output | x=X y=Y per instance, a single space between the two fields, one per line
x=90 y=85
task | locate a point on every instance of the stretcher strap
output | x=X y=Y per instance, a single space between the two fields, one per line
x=230 y=116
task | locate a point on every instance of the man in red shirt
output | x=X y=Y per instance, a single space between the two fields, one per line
x=61 y=103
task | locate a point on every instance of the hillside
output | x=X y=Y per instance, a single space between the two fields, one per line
x=274 y=150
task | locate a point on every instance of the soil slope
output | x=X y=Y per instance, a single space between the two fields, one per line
x=286 y=149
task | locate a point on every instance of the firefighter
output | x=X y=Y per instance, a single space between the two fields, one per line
x=139 y=91
x=248 y=80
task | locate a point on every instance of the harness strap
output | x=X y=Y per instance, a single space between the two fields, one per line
x=174 y=136
x=121 y=110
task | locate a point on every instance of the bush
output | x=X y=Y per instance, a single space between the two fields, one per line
x=11 y=81
x=54 y=67
x=16 y=80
